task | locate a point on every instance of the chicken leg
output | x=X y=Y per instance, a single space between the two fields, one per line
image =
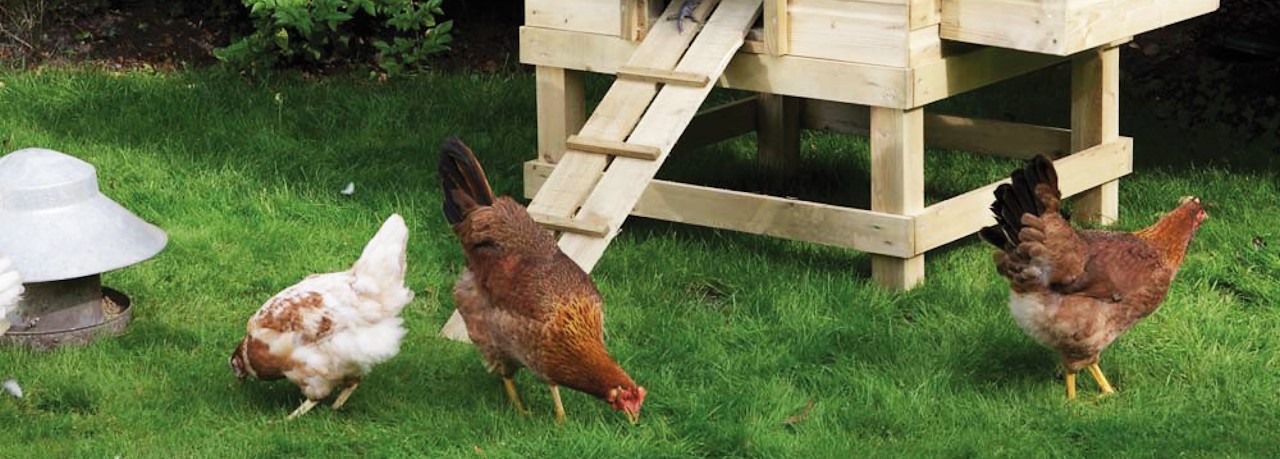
x=346 y=392
x=306 y=406
x=515 y=397
x=1096 y=371
x=1071 y=386
x=555 y=396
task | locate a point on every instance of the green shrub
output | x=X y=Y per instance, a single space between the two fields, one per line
x=394 y=35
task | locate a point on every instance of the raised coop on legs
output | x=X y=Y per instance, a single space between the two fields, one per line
x=866 y=67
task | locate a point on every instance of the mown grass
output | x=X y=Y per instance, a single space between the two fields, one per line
x=732 y=334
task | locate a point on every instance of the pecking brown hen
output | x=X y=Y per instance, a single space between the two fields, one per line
x=523 y=301
x=329 y=330
x=1077 y=291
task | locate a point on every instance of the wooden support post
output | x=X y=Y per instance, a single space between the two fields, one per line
x=897 y=184
x=561 y=109
x=1095 y=119
x=777 y=27
x=778 y=132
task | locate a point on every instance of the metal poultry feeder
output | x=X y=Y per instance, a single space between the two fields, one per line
x=61 y=233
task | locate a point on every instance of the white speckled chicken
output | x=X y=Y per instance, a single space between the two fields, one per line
x=329 y=330
x=10 y=292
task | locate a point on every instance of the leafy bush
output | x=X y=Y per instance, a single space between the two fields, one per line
x=395 y=35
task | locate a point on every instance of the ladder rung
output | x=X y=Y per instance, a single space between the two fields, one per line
x=612 y=147
x=564 y=224
x=663 y=76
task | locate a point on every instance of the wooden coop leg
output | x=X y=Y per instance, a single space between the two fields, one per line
x=778 y=132
x=1095 y=119
x=561 y=109
x=897 y=184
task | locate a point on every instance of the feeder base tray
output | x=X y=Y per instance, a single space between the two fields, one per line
x=116 y=313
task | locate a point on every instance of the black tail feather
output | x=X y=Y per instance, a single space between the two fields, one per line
x=463 y=180
x=1017 y=198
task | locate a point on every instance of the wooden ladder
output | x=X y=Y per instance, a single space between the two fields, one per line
x=611 y=161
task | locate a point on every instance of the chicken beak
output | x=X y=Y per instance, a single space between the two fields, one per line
x=633 y=417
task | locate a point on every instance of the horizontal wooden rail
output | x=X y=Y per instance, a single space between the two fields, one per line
x=863 y=230
x=965 y=214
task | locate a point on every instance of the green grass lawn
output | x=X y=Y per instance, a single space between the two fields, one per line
x=732 y=334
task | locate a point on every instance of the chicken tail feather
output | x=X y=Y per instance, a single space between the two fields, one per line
x=1033 y=190
x=465 y=185
x=381 y=267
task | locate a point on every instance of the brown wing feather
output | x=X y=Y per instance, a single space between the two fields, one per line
x=1040 y=248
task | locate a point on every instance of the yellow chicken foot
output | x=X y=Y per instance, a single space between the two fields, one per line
x=555 y=396
x=1071 y=386
x=306 y=406
x=1096 y=371
x=346 y=392
x=515 y=397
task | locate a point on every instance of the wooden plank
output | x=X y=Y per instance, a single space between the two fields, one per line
x=778 y=137
x=809 y=78
x=925 y=13
x=612 y=147
x=561 y=108
x=819 y=79
x=666 y=118
x=1033 y=25
x=563 y=224
x=574 y=50
x=614 y=118
x=897 y=185
x=953 y=75
x=663 y=76
x=777 y=27
x=851 y=31
x=993 y=137
x=1060 y=27
x=1095 y=119
x=965 y=214
x=590 y=16
x=924 y=46
x=720 y=123
x=785 y=75
x=791 y=219
x=1091 y=23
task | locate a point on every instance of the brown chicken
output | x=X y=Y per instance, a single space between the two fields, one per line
x=1077 y=291
x=524 y=302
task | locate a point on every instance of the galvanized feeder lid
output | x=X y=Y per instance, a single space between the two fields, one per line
x=55 y=224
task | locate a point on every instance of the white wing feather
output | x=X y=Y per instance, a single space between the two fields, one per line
x=10 y=293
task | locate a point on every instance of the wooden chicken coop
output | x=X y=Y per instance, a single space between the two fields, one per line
x=857 y=66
